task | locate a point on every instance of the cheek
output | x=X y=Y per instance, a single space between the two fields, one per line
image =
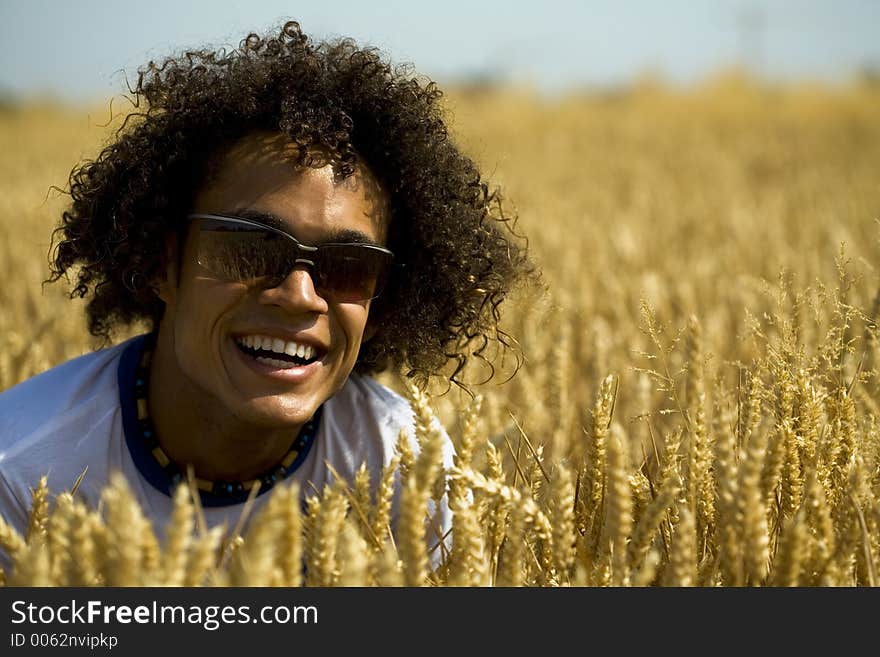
x=351 y=323
x=204 y=302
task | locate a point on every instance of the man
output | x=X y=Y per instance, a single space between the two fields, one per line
x=286 y=219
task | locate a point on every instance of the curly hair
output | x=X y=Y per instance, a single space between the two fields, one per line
x=459 y=252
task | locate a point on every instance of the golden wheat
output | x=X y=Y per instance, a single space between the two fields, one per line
x=698 y=399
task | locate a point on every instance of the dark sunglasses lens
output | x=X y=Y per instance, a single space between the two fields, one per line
x=351 y=272
x=240 y=253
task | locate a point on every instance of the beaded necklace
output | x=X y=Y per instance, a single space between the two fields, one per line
x=224 y=489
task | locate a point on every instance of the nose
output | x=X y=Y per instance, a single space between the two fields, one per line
x=296 y=293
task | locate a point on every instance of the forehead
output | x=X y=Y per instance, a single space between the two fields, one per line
x=259 y=173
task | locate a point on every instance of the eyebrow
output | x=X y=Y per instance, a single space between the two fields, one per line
x=342 y=235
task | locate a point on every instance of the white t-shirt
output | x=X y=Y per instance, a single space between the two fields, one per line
x=71 y=417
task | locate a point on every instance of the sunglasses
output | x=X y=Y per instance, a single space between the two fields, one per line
x=245 y=251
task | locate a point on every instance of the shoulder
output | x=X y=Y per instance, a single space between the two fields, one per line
x=67 y=389
x=376 y=414
x=54 y=424
x=363 y=395
x=80 y=380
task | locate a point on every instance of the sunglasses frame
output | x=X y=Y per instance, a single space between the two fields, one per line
x=300 y=247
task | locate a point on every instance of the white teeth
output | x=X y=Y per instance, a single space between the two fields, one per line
x=279 y=346
x=280 y=364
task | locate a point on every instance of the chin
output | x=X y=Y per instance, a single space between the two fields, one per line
x=279 y=415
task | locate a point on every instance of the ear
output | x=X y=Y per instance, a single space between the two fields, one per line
x=169 y=280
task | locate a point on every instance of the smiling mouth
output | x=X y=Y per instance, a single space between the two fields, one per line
x=277 y=359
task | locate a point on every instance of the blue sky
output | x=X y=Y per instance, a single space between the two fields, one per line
x=78 y=49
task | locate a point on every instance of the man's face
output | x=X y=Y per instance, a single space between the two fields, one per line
x=214 y=324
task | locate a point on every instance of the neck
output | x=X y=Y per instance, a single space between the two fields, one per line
x=194 y=428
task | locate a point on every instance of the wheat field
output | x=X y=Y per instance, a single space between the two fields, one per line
x=698 y=398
